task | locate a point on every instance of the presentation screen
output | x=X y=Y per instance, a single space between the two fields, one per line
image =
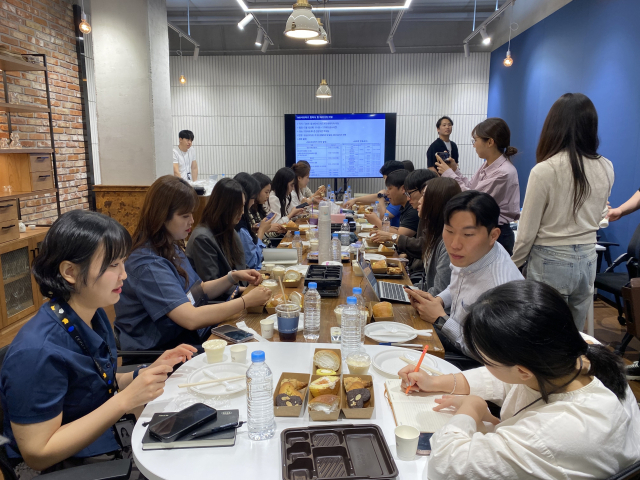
x=341 y=145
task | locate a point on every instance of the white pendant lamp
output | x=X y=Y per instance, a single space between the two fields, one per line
x=323 y=90
x=320 y=39
x=302 y=23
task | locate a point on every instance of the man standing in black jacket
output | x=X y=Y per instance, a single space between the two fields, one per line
x=444 y=126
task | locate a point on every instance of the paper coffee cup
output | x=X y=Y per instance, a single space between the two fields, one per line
x=214 y=350
x=266 y=327
x=407 y=442
x=238 y=353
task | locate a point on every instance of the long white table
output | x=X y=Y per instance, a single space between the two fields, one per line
x=249 y=459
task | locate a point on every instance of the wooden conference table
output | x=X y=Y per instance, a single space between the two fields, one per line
x=403 y=313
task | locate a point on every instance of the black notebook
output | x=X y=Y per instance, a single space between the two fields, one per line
x=226 y=438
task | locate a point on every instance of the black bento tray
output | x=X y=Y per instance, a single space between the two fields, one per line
x=326 y=276
x=336 y=452
x=396 y=276
x=314 y=258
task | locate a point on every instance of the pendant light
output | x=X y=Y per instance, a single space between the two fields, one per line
x=320 y=39
x=302 y=23
x=323 y=90
x=508 y=61
x=183 y=79
x=84 y=26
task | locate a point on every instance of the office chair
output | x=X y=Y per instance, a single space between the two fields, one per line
x=632 y=472
x=114 y=470
x=631 y=295
x=612 y=282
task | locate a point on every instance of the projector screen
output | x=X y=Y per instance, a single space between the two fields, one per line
x=341 y=145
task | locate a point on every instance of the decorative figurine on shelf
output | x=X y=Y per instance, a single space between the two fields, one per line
x=4 y=143
x=15 y=140
x=14 y=98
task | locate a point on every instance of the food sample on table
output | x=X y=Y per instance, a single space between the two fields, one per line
x=358 y=363
x=288 y=395
x=325 y=404
x=325 y=372
x=296 y=298
x=383 y=309
x=357 y=392
x=276 y=300
x=292 y=276
x=394 y=270
x=324 y=386
x=383 y=248
x=291 y=224
x=379 y=265
x=327 y=359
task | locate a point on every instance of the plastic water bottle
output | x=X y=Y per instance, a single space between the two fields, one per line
x=362 y=307
x=332 y=197
x=297 y=245
x=336 y=248
x=346 y=196
x=345 y=233
x=312 y=313
x=350 y=328
x=260 y=418
x=324 y=232
x=386 y=223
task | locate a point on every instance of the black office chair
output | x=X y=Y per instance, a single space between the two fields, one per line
x=114 y=470
x=612 y=282
x=632 y=472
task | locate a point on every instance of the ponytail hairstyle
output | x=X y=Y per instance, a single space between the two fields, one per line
x=528 y=323
x=251 y=189
x=280 y=187
x=571 y=126
x=263 y=181
x=301 y=169
x=498 y=130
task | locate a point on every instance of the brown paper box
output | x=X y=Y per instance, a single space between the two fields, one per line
x=379 y=319
x=294 y=284
x=291 y=411
x=367 y=411
x=324 y=417
x=379 y=270
x=336 y=350
x=258 y=309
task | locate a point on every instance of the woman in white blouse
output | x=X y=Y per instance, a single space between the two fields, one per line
x=567 y=410
x=301 y=192
x=280 y=196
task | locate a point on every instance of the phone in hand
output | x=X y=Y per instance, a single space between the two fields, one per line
x=445 y=157
x=270 y=216
x=411 y=287
x=172 y=428
x=303 y=205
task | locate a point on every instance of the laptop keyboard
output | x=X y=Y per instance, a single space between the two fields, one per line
x=393 y=291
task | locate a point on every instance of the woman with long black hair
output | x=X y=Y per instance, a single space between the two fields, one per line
x=280 y=198
x=258 y=212
x=251 y=242
x=565 y=202
x=567 y=410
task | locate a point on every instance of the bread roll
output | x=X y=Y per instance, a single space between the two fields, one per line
x=383 y=248
x=297 y=384
x=324 y=386
x=382 y=309
x=325 y=372
x=380 y=264
x=394 y=270
x=292 y=276
x=325 y=404
x=327 y=359
x=276 y=300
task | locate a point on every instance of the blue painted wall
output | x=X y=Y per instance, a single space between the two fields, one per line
x=588 y=46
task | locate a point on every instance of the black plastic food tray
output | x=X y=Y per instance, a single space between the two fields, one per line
x=338 y=452
x=389 y=275
x=326 y=276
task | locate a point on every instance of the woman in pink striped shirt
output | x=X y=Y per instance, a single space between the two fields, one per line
x=497 y=176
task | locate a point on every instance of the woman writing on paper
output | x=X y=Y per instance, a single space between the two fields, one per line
x=567 y=410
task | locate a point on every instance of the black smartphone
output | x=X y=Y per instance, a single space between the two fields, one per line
x=270 y=216
x=424 y=444
x=445 y=156
x=172 y=428
x=303 y=205
x=232 y=334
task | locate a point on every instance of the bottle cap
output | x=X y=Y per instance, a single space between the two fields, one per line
x=335 y=235
x=350 y=301
x=357 y=291
x=312 y=285
x=297 y=233
x=257 y=356
x=345 y=221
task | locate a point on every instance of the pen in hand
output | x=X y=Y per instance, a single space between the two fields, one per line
x=417 y=369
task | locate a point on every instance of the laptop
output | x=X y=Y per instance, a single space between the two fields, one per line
x=383 y=290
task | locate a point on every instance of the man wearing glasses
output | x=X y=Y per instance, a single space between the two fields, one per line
x=442 y=144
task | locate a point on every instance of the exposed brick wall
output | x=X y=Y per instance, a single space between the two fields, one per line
x=46 y=26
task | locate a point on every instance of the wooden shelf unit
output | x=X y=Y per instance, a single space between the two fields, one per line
x=13 y=64
x=22 y=108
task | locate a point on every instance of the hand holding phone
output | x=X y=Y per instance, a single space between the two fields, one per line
x=303 y=205
x=445 y=156
x=270 y=216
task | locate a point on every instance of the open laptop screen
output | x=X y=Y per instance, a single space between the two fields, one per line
x=371 y=279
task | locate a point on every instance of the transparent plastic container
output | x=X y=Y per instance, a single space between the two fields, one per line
x=336 y=248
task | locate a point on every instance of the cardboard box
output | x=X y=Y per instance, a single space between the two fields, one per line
x=336 y=350
x=379 y=319
x=258 y=309
x=295 y=284
x=367 y=410
x=291 y=411
x=321 y=416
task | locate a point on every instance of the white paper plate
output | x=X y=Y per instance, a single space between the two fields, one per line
x=364 y=234
x=367 y=226
x=220 y=370
x=389 y=363
x=374 y=257
x=274 y=317
x=375 y=331
x=335 y=264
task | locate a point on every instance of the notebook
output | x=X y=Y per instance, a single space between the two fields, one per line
x=226 y=438
x=415 y=409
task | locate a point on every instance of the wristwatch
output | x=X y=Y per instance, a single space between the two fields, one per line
x=137 y=370
x=394 y=237
x=439 y=323
x=380 y=195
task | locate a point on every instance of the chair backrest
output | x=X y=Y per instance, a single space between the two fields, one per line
x=631 y=296
x=634 y=245
x=632 y=472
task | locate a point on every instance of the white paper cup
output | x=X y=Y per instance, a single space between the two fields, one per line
x=214 y=350
x=407 y=442
x=266 y=328
x=238 y=353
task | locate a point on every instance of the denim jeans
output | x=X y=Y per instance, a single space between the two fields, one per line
x=571 y=270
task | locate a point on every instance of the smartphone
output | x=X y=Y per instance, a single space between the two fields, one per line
x=445 y=156
x=172 y=428
x=411 y=287
x=424 y=444
x=231 y=333
x=303 y=205
x=270 y=216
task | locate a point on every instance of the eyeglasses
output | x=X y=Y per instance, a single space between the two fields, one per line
x=408 y=194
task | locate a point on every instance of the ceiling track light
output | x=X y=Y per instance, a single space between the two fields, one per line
x=245 y=21
x=482 y=29
x=466 y=50
x=84 y=26
x=259 y=38
x=392 y=45
x=265 y=45
x=302 y=23
x=319 y=40
x=323 y=90
x=486 y=39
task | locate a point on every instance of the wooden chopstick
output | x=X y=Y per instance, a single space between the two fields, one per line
x=423 y=367
x=207 y=382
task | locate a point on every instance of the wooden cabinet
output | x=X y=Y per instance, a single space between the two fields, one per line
x=20 y=295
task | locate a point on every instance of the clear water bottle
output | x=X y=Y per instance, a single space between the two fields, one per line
x=260 y=418
x=347 y=196
x=345 y=233
x=332 y=197
x=362 y=307
x=336 y=248
x=386 y=223
x=297 y=245
x=350 y=328
x=312 y=313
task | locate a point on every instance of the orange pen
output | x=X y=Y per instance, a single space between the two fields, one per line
x=424 y=351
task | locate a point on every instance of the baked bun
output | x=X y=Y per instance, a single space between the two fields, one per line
x=325 y=386
x=380 y=264
x=325 y=404
x=297 y=384
x=355 y=382
x=394 y=270
x=291 y=224
x=383 y=248
x=327 y=359
x=276 y=300
x=292 y=276
x=325 y=372
x=382 y=309
x=297 y=298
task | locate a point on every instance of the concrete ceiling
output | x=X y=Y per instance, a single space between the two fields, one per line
x=427 y=26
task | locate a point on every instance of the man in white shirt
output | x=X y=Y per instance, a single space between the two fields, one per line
x=184 y=157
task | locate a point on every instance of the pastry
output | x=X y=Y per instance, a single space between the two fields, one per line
x=325 y=404
x=325 y=372
x=357 y=393
x=382 y=309
x=276 y=300
x=355 y=382
x=327 y=359
x=288 y=395
x=379 y=265
x=297 y=384
x=297 y=298
x=291 y=225
x=324 y=386
x=383 y=248
x=394 y=270
x=292 y=276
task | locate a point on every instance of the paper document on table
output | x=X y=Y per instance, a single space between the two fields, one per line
x=415 y=409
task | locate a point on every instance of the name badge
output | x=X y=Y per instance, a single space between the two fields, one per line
x=190 y=297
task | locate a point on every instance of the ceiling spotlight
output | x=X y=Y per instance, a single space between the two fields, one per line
x=486 y=39
x=265 y=45
x=508 y=61
x=392 y=46
x=196 y=52
x=466 y=49
x=302 y=23
x=245 y=21
x=259 y=37
x=183 y=79
x=321 y=39
x=323 y=90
